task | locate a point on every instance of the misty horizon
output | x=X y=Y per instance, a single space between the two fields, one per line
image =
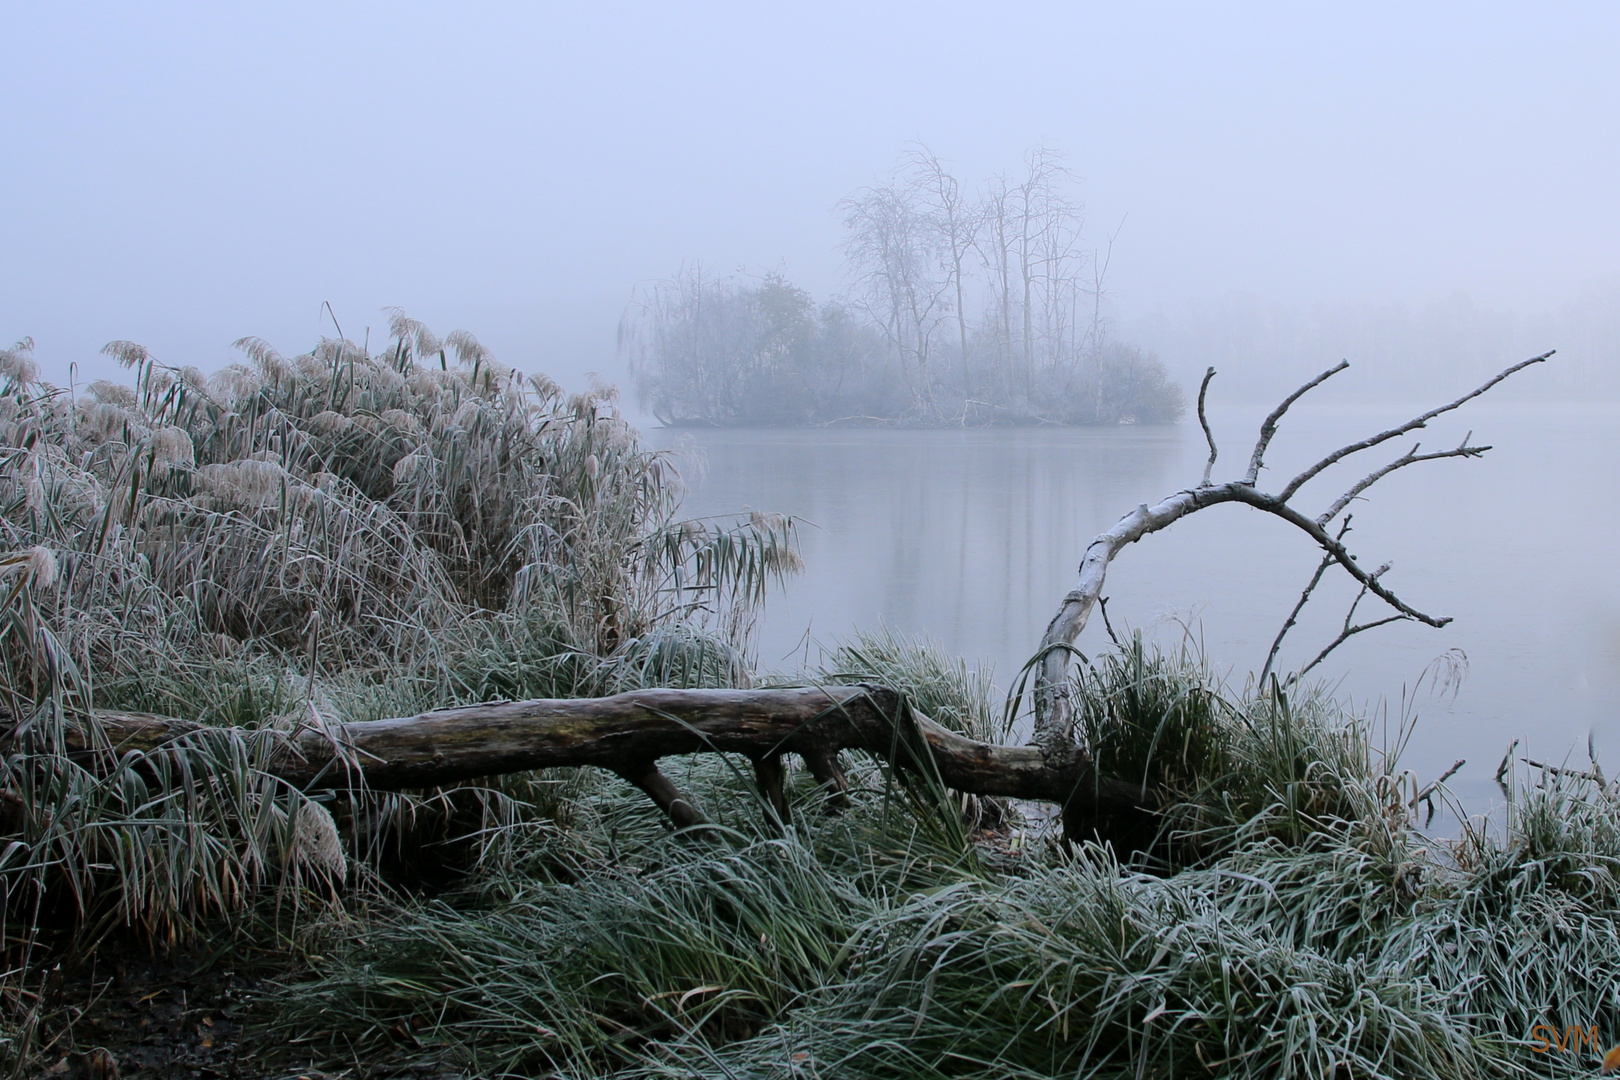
x=1286 y=189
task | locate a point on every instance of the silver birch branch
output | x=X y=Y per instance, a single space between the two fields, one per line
x=1054 y=734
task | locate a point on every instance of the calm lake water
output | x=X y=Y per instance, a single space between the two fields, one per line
x=971 y=538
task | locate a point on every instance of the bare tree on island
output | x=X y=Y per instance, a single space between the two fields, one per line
x=956 y=221
x=984 y=309
x=892 y=252
x=629 y=733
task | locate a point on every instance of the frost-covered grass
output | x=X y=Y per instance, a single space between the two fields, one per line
x=1312 y=930
x=344 y=536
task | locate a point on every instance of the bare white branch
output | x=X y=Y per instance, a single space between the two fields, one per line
x=1203 y=420
x=1411 y=425
x=1269 y=427
x=1304 y=598
x=1054 y=717
x=1411 y=457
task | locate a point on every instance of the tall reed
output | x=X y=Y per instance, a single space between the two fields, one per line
x=296 y=540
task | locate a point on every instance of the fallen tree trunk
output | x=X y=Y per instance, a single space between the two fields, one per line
x=629 y=733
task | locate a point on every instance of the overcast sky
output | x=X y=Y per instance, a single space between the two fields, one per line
x=186 y=174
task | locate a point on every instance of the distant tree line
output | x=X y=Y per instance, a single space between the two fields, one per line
x=964 y=309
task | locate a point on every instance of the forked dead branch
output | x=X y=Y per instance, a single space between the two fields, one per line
x=1054 y=731
x=630 y=733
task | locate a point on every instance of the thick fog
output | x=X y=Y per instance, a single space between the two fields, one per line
x=1431 y=191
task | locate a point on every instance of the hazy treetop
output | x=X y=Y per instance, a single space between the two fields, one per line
x=184 y=174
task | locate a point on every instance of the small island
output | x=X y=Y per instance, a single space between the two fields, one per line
x=964 y=310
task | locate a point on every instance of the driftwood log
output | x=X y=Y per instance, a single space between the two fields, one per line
x=629 y=733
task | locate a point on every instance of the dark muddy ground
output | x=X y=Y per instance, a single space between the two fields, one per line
x=123 y=1014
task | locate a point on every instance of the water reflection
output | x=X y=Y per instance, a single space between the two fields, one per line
x=954 y=534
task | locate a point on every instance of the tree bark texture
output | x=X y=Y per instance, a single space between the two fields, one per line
x=628 y=734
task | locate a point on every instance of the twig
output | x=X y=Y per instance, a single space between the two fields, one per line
x=1412 y=424
x=1502 y=771
x=1426 y=796
x=1203 y=389
x=1362 y=595
x=1288 y=624
x=1348 y=633
x=1411 y=457
x=1269 y=427
x=1434 y=785
x=1556 y=770
x=1102 y=603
